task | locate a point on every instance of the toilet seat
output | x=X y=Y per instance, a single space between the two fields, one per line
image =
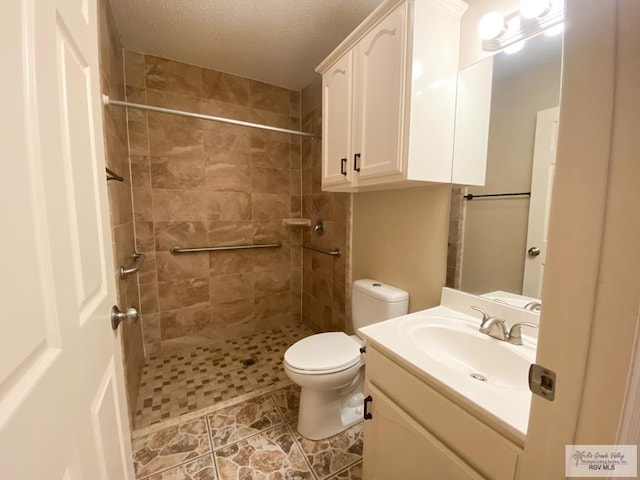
x=323 y=353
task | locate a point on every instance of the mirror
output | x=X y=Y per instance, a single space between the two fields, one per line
x=503 y=166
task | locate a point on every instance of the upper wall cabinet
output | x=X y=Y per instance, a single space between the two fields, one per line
x=388 y=102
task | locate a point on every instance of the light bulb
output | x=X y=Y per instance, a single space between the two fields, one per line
x=534 y=8
x=515 y=47
x=491 y=26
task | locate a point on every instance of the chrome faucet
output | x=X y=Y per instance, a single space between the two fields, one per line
x=515 y=334
x=492 y=326
x=496 y=328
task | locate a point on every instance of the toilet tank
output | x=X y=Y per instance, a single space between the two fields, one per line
x=374 y=301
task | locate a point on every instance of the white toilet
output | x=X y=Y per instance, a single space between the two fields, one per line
x=329 y=367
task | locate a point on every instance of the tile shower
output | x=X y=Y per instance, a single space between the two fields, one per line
x=214 y=326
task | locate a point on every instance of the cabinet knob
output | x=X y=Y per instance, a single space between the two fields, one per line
x=356 y=157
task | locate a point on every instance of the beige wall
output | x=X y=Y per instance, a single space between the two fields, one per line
x=199 y=183
x=325 y=291
x=495 y=230
x=121 y=209
x=400 y=238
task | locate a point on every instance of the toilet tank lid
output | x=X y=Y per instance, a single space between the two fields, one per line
x=381 y=291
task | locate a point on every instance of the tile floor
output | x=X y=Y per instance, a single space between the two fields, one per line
x=202 y=377
x=253 y=439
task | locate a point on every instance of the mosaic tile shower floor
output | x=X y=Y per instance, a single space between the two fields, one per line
x=177 y=383
x=254 y=439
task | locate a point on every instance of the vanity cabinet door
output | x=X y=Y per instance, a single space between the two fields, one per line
x=337 y=115
x=396 y=446
x=380 y=79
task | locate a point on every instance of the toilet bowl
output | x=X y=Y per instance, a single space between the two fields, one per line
x=329 y=367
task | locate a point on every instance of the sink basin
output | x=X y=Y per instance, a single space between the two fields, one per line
x=463 y=350
x=444 y=347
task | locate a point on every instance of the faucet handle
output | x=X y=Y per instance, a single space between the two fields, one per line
x=485 y=315
x=515 y=333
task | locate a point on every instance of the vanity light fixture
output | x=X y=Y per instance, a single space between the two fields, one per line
x=535 y=16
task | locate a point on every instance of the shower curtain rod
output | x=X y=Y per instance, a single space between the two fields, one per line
x=107 y=101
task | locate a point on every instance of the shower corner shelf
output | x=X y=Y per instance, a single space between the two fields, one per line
x=296 y=222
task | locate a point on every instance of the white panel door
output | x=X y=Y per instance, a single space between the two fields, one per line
x=62 y=402
x=544 y=164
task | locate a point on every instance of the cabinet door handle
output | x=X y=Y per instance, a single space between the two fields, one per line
x=367 y=415
x=343 y=166
x=356 y=157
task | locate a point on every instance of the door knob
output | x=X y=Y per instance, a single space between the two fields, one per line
x=117 y=317
x=533 y=251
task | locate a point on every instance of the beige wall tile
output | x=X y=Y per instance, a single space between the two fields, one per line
x=223 y=139
x=148 y=298
x=177 y=173
x=270 y=231
x=140 y=172
x=274 y=99
x=226 y=314
x=138 y=137
x=148 y=271
x=270 y=180
x=228 y=206
x=171 y=135
x=184 y=293
x=170 y=76
x=181 y=267
x=269 y=153
x=151 y=328
x=267 y=258
x=226 y=262
x=267 y=206
x=273 y=280
x=181 y=234
x=179 y=205
x=273 y=305
x=227 y=177
x=231 y=288
x=225 y=87
x=184 y=322
x=134 y=69
x=223 y=232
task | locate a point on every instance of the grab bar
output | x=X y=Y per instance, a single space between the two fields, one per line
x=137 y=263
x=335 y=252
x=179 y=250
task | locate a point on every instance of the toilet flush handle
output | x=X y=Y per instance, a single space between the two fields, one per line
x=363 y=349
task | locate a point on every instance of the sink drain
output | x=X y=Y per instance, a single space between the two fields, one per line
x=479 y=376
x=248 y=362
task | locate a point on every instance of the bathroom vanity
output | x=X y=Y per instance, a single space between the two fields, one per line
x=457 y=411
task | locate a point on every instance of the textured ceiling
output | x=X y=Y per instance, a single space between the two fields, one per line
x=275 y=41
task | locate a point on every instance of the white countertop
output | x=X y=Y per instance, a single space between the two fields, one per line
x=509 y=402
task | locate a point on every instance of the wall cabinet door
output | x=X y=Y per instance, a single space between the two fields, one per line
x=380 y=80
x=337 y=118
x=396 y=446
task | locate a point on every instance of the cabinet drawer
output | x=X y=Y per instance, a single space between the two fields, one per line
x=483 y=448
